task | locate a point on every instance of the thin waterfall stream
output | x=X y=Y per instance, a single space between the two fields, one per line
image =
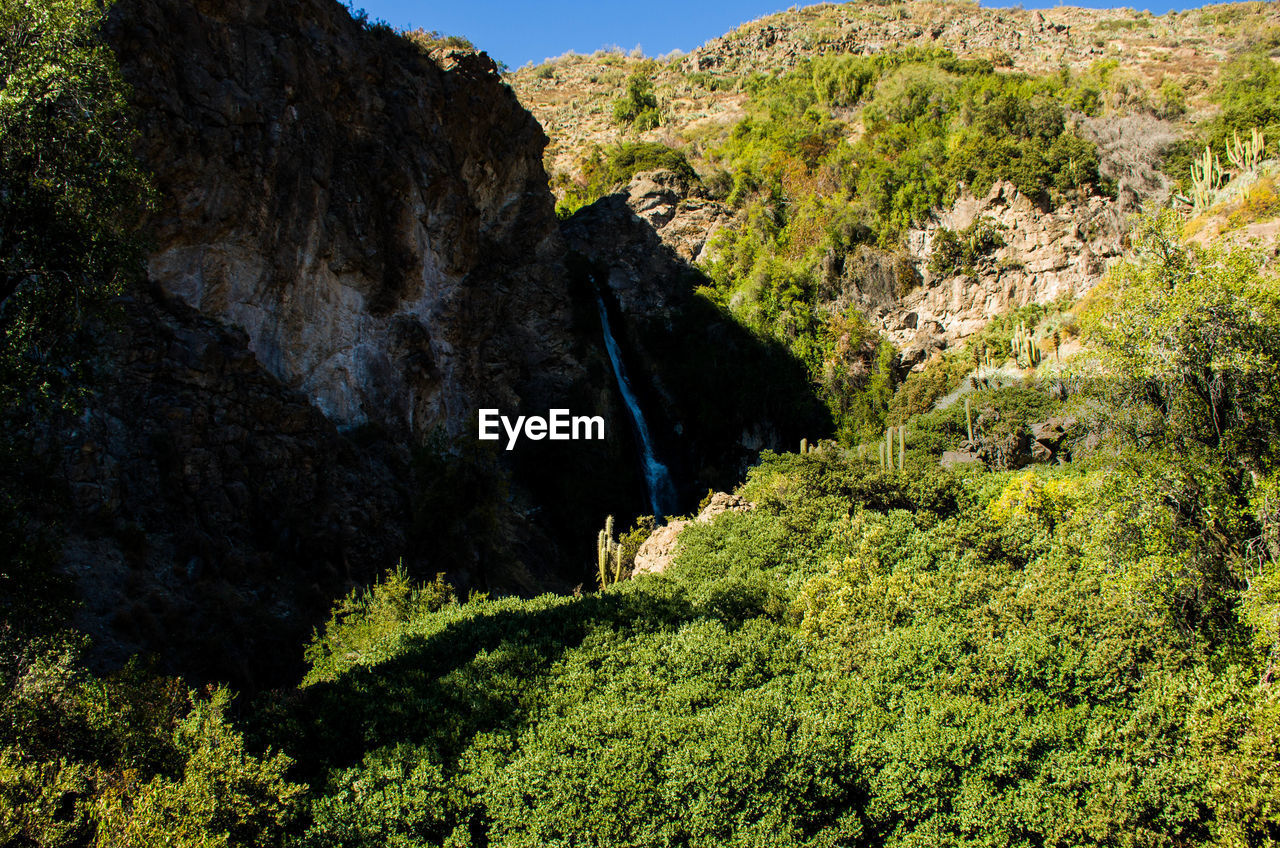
x=657 y=479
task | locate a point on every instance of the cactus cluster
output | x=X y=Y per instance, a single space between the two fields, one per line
x=988 y=361
x=1024 y=347
x=886 y=449
x=1206 y=175
x=608 y=556
x=1245 y=155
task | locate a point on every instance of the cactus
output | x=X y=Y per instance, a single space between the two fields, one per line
x=1206 y=174
x=968 y=417
x=1024 y=347
x=888 y=449
x=1245 y=155
x=804 y=446
x=902 y=447
x=608 y=556
x=882 y=456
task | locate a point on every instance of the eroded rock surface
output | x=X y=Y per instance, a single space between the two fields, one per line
x=1047 y=254
x=214 y=513
x=376 y=221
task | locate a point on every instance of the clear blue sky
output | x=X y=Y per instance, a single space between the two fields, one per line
x=520 y=32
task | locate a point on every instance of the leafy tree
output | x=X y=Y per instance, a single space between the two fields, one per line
x=638 y=107
x=70 y=191
x=1191 y=339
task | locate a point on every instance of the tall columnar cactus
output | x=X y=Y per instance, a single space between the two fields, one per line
x=882 y=463
x=804 y=446
x=1206 y=175
x=902 y=447
x=968 y=417
x=1245 y=155
x=888 y=449
x=608 y=556
x=1025 y=349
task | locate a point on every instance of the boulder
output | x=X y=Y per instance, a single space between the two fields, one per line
x=659 y=550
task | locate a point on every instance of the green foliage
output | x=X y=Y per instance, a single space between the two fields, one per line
x=363 y=626
x=638 y=107
x=224 y=796
x=70 y=193
x=850 y=151
x=958 y=251
x=129 y=760
x=605 y=170
x=1191 y=339
x=863 y=658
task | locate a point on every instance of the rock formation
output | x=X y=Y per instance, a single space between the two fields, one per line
x=659 y=550
x=354 y=248
x=716 y=394
x=1047 y=254
x=376 y=221
x=213 y=512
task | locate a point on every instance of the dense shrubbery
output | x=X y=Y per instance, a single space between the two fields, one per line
x=638 y=107
x=132 y=760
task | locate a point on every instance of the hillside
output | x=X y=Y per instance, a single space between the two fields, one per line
x=702 y=93
x=851 y=176
x=935 y=493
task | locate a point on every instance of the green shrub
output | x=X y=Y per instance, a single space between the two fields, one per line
x=958 y=251
x=638 y=108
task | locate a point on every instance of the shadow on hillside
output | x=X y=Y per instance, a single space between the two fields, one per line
x=471 y=677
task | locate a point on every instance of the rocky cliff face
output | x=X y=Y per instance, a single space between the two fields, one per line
x=354 y=249
x=1047 y=254
x=716 y=393
x=376 y=220
x=213 y=513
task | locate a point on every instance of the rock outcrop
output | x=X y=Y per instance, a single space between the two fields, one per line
x=354 y=249
x=659 y=550
x=1047 y=254
x=714 y=393
x=376 y=221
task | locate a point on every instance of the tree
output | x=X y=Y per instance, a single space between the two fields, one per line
x=70 y=188
x=639 y=106
x=1191 y=340
x=70 y=192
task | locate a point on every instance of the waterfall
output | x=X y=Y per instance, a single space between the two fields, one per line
x=657 y=479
